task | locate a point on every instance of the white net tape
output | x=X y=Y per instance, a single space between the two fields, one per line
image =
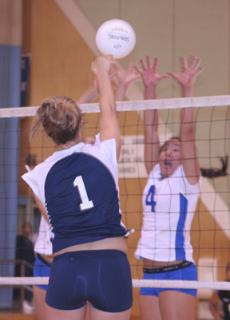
x=215 y=285
x=139 y=105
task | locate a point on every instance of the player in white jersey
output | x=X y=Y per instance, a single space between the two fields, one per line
x=42 y=266
x=43 y=255
x=77 y=189
x=169 y=202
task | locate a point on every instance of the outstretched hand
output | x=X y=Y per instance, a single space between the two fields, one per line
x=125 y=77
x=148 y=72
x=102 y=64
x=190 y=69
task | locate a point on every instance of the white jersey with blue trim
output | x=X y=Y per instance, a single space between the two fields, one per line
x=43 y=244
x=79 y=188
x=169 y=205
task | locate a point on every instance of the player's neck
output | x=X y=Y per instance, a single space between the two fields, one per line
x=68 y=144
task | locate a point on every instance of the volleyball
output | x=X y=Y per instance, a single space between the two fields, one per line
x=116 y=37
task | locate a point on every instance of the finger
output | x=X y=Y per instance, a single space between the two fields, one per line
x=134 y=72
x=131 y=65
x=132 y=68
x=93 y=67
x=113 y=71
x=198 y=63
x=142 y=64
x=109 y=57
x=113 y=74
x=183 y=63
x=114 y=64
x=115 y=80
x=155 y=63
x=136 y=76
x=148 y=61
x=138 y=70
x=200 y=69
x=193 y=62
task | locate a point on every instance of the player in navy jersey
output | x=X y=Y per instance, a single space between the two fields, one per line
x=77 y=189
x=169 y=201
x=43 y=246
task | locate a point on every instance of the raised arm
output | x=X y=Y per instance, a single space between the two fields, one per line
x=123 y=78
x=190 y=69
x=41 y=208
x=90 y=94
x=150 y=78
x=214 y=306
x=30 y=163
x=109 y=126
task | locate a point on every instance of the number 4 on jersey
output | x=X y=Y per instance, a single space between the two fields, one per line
x=85 y=202
x=149 y=200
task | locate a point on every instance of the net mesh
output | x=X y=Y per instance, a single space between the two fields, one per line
x=210 y=231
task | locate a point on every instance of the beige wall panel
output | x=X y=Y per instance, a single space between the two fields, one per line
x=10 y=22
x=60 y=59
x=202 y=28
x=99 y=11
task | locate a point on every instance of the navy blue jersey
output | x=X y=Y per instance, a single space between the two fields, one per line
x=79 y=188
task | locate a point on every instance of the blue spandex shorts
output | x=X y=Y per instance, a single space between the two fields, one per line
x=101 y=277
x=41 y=269
x=188 y=271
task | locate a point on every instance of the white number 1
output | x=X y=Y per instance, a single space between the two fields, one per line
x=85 y=202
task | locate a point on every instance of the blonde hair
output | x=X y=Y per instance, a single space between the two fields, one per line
x=60 y=117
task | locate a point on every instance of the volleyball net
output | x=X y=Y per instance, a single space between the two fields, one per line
x=210 y=232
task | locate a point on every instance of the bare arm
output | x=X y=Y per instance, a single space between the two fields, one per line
x=90 y=94
x=213 y=306
x=150 y=78
x=30 y=163
x=123 y=78
x=151 y=139
x=190 y=69
x=41 y=208
x=109 y=126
